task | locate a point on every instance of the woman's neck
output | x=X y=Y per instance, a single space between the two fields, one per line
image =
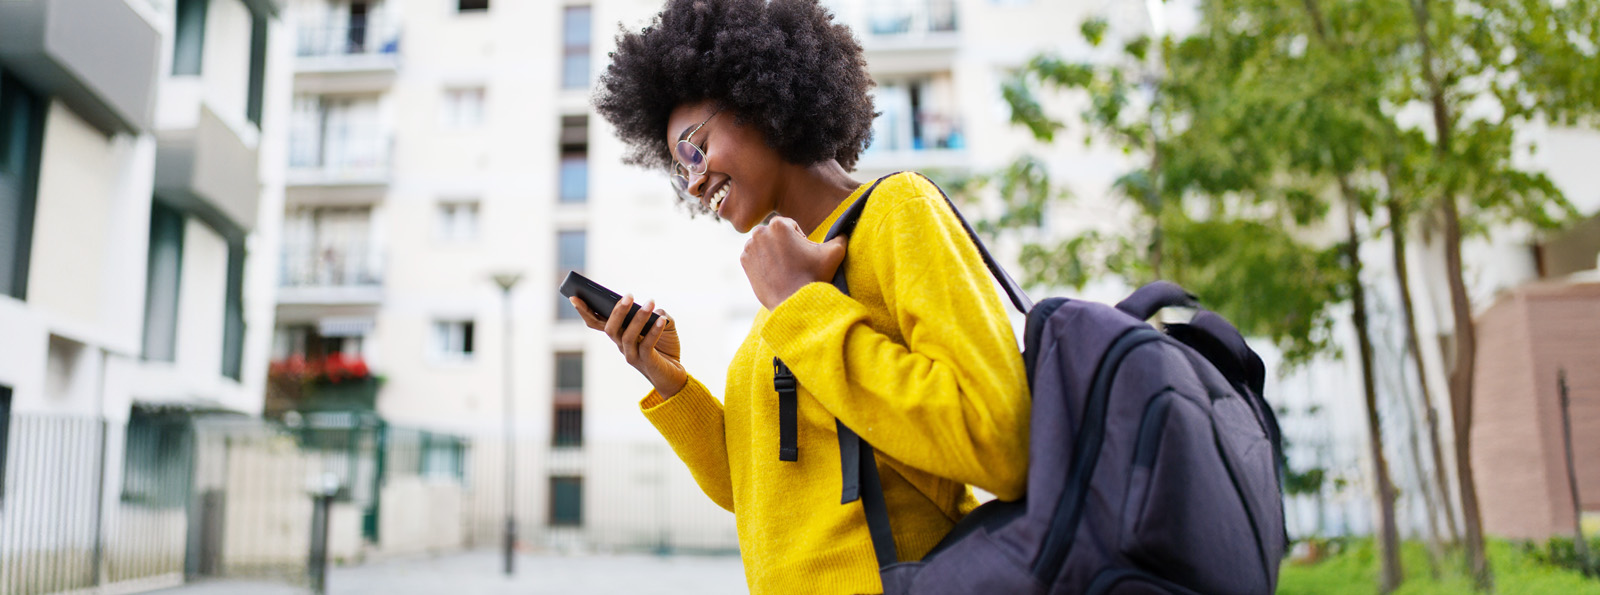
x=811 y=193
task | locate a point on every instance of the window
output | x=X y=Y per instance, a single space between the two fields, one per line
x=452 y=339
x=570 y=251
x=575 y=47
x=458 y=221
x=463 y=108
x=443 y=456
x=574 y=178
x=566 y=501
x=258 y=67
x=574 y=159
x=5 y=433
x=568 y=418
x=163 y=279
x=472 y=5
x=21 y=135
x=233 y=313
x=570 y=256
x=917 y=114
x=188 y=38
x=156 y=463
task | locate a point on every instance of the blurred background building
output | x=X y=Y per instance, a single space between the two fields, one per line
x=249 y=244
x=139 y=188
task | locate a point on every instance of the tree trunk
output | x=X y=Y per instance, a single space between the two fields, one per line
x=1388 y=534
x=1397 y=224
x=1465 y=334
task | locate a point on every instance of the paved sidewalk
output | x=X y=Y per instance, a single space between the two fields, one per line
x=479 y=573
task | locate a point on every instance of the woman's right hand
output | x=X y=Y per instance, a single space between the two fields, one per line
x=656 y=354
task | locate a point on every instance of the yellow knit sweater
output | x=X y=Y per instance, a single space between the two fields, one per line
x=920 y=360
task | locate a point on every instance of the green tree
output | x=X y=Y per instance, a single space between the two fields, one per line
x=1513 y=62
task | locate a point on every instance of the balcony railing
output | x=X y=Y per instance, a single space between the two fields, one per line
x=324 y=266
x=337 y=156
x=364 y=37
x=899 y=19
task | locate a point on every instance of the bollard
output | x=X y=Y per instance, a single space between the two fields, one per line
x=321 y=506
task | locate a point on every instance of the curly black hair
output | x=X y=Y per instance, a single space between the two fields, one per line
x=782 y=66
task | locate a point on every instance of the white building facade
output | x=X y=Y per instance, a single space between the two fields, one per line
x=135 y=217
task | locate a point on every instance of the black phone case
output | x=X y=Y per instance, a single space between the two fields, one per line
x=601 y=301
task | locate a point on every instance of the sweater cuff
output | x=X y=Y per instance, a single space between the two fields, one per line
x=684 y=415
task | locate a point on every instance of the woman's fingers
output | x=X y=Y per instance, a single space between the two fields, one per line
x=650 y=339
x=614 y=322
x=634 y=334
x=587 y=315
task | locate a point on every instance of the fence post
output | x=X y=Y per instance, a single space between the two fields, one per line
x=1579 y=542
x=321 y=505
x=98 y=556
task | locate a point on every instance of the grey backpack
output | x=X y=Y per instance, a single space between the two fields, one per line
x=1153 y=467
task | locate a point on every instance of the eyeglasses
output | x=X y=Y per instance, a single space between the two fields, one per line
x=687 y=160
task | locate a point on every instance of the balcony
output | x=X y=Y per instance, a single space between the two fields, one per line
x=920 y=141
x=97 y=56
x=362 y=55
x=337 y=157
x=210 y=168
x=329 y=274
x=893 y=31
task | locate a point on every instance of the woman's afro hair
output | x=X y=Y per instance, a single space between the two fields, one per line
x=782 y=66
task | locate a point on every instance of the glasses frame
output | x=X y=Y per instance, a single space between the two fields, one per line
x=679 y=174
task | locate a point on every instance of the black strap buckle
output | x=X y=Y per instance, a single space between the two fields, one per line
x=787 y=386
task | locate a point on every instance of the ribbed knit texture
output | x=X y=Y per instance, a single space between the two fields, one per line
x=920 y=360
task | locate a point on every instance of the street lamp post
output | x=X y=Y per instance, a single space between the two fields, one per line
x=506 y=281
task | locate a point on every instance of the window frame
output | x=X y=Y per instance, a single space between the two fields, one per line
x=447 y=215
x=574 y=48
x=555 y=500
x=193 y=12
x=441 y=343
x=451 y=112
x=24 y=182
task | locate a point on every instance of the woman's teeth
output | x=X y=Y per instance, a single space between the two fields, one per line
x=716 y=199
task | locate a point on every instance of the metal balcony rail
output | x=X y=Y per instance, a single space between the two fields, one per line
x=343 y=264
x=900 y=18
x=338 y=153
x=361 y=36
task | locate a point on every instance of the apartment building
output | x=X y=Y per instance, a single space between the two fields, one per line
x=136 y=292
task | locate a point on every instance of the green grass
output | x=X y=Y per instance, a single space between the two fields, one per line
x=1355 y=570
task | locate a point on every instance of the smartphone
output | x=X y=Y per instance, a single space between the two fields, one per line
x=601 y=301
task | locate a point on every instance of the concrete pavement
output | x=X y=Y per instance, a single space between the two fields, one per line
x=479 y=573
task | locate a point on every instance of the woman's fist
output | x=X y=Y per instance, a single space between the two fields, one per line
x=779 y=260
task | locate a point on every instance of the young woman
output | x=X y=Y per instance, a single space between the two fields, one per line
x=757 y=110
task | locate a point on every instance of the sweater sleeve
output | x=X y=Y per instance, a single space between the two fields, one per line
x=692 y=423
x=952 y=399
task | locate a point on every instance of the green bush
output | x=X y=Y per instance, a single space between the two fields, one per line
x=1562 y=552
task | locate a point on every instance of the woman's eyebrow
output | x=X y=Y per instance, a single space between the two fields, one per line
x=685 y=134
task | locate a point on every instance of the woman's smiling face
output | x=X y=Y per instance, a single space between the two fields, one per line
x=741 y=176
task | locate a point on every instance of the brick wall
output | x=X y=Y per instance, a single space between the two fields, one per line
x=1518 y=452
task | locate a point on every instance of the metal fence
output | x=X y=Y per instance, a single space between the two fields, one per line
x=149 y=502
x=170 y=495
x=594 y=495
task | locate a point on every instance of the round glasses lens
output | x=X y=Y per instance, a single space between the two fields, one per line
x=691 y=158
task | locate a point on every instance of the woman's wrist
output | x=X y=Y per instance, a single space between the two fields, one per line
x=670 y=386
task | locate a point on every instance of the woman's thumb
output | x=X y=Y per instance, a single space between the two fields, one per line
x=833 y=253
